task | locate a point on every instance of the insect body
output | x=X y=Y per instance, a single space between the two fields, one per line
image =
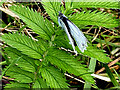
x=75 y=36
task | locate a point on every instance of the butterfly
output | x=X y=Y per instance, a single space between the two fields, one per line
x=75 y=36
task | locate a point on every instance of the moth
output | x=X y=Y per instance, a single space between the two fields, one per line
x=75 y=36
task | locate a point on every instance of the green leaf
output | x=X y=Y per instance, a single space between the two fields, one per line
x=34 y=20
x=25 y=62
x=6 y=69
x=2 y=1
x=96 y=53
x=117 y=74
x=24 y=44
x=91 y=67
x=43 y=44
x=113 y=88
x=68 y=63
x=61 y=40
x=22 y=28
x=97 y=4
x=20 y=75
x=17 y=85
x=53 y=77
x=52 y=8
x=94 y=18
x=112 y=78
x=23 y=71
x=40 y=83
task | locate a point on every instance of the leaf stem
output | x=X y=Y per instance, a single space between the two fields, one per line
x=52 y=39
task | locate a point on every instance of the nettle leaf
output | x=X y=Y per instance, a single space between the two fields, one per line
x=23 y=71
x=20 y=75
x=61 y=40
x=52 y=8
x=95 y=53
x=53 y=77
x=40 y=83
x=25 y=62
x=66 y=62
x=34 y=20
x=97 y=4
x=43 y=44
x=24 y=44
x=17 y=85
x=94 y=18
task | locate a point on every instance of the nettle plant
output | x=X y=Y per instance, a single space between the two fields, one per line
x=43 y=63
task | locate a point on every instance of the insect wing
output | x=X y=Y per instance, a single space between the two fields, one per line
x=78 y=36
x=61 y=23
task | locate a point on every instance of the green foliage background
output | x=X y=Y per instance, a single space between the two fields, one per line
x=41 y=63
